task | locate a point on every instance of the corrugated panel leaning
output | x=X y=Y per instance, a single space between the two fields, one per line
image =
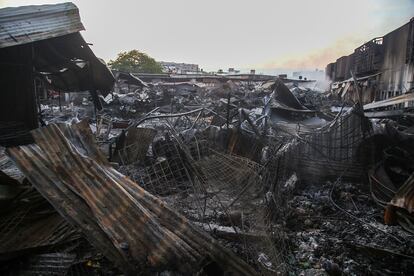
x=131 y=227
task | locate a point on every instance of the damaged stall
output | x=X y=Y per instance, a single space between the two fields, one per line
x=41 y=52
x=41 y=49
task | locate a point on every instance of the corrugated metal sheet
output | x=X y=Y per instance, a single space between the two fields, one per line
x=393 y=199
x=47 y=264
x=28 y=223
x=28 y=24
x=7 y=167
x=130 y=226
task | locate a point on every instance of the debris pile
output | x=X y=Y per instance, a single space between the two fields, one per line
x=238 y=182
x=208 y=176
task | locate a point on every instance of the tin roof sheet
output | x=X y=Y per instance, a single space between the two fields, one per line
x=21 y=25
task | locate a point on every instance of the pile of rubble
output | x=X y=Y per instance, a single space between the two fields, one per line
x=239 y=178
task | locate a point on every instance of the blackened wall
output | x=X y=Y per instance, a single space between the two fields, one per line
x=387 y=63
x=340 y=68
x=17 y=96
x=397 y=72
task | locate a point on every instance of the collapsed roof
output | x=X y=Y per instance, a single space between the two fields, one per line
x=59 y=52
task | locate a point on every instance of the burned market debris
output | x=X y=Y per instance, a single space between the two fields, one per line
x=129 y=225
x=104 y=172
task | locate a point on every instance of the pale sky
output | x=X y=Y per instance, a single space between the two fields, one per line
x=263 y=34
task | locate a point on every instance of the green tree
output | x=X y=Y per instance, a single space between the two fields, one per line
x=135 y=61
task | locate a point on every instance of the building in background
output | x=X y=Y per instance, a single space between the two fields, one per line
x=231 y=71
x=179 y=68
x=383 y=68
x=310 y=75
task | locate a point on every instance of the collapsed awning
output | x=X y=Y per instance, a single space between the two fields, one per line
x=60 y=54
x=69 y=64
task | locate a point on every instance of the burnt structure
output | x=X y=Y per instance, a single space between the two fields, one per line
x=207 y=175
x=384 y=66
x=41 y=49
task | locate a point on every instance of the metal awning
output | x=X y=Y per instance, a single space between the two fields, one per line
x=59 y=53
x=27 y=24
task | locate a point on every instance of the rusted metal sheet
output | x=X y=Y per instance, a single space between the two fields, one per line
x=396 y=198
x=29 y=223
x=37 y=165
x=8 y=168
x=404 y=198
x=131 y=227
x=47 y=264
x=28 y=24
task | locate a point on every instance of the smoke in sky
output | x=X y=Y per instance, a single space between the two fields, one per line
x=261 y=34
x=317 y=58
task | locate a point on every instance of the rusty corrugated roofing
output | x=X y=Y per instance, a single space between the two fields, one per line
x=28 y=24
x=7 y=167
x=127 y=224
x=29 y=222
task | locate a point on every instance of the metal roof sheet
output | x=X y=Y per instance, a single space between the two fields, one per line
x=130 y=226
x=28 y=24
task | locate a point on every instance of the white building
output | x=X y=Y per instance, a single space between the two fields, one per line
x=179 y=68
